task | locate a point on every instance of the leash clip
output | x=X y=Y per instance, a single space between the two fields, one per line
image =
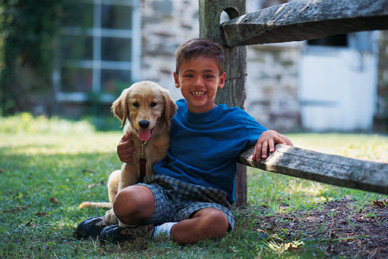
x=142 y=149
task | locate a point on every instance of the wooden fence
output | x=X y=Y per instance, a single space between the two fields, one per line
x=293 y=21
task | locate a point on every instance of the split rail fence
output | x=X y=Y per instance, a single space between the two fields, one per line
x=293 y=21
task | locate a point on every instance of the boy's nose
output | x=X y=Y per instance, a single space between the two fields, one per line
x=199 y=80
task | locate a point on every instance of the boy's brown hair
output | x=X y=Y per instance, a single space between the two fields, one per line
x=199 y=47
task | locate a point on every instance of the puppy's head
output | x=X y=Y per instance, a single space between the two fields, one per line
x=145 y=104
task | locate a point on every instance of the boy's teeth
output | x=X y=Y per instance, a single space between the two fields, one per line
x=198 y=93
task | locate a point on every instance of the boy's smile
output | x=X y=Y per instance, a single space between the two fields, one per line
x=199 y=79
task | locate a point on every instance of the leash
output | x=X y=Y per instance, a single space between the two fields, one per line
x=142 y=161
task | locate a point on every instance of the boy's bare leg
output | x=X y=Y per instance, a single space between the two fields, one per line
x=205 y=223
x=134 y=203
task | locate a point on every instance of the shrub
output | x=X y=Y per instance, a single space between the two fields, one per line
x=25 y=123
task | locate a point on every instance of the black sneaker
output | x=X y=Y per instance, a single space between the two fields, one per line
x=90 y=228
x=114 y=233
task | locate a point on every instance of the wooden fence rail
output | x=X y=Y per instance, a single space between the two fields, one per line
x=324 y=168
x=304 y=20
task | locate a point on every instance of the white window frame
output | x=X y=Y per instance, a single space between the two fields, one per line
x=97 y=64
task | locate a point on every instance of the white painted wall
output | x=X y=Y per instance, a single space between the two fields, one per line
x=337 y=89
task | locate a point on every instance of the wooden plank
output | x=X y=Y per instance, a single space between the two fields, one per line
x=234 y=93
x=304 y=20
x=324 y=168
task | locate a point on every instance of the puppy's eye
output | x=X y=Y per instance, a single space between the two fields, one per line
x=153 y=104
x=135 y=104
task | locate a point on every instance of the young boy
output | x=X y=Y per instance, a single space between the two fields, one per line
x=188 y=198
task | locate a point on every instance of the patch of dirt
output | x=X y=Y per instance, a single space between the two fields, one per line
x=341 y=228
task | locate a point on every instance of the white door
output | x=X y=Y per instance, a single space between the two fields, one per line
x=338 y=85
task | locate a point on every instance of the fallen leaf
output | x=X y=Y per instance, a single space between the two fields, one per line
x=30 y=224
x=381 y=204
x=54 y=200
x=92 y=185
x=17 y=208
x=260 y=230
x=295 y=245
x=96 y=184
x=41 y=214
x=87 y=171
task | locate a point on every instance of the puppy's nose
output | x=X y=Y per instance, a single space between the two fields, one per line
x=144 y=124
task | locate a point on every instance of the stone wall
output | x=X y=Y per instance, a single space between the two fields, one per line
x=165 y=25
x=272 y=85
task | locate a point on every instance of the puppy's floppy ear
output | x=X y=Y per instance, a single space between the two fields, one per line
x=120 y=106
x=169 y=107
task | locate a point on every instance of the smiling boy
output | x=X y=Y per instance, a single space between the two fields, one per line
x=188 y=198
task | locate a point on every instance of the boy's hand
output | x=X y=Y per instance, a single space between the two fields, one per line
x=267 y=141
x=125 y=149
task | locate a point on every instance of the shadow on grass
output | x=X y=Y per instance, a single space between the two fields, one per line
x=40 y=193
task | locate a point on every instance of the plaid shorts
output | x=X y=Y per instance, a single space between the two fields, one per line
x=176 y=200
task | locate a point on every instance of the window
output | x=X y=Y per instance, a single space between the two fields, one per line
x=340 y=40
x=99 y=49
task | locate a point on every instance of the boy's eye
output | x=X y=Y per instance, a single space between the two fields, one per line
x=188 y=76
x=136 y=104
x=153 y=104
x=208 y=76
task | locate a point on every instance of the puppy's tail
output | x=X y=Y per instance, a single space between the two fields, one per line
x=90 y=204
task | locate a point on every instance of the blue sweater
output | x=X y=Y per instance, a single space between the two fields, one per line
x=204 y=146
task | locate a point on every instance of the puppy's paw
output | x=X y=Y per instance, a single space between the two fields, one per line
x=110 y=217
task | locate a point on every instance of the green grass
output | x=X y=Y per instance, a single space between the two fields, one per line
x=46 y=172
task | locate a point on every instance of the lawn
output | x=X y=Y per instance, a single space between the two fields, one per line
x=47 y=170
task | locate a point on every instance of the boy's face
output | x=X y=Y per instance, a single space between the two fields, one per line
x=199 y=80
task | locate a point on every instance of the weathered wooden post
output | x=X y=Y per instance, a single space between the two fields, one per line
x=233 y=94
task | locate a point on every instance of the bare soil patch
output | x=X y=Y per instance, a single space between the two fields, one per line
x=340 y=228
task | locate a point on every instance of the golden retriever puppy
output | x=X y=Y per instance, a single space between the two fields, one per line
x=145 y=110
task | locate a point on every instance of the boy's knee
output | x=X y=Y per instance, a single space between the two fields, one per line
x=133 y=201
x=123 y=202
x=214 y=222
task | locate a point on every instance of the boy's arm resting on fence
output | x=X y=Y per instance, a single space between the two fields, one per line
x=324 y=168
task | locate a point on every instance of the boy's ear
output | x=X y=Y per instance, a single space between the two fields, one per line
x=221 y=82
x=176 y=79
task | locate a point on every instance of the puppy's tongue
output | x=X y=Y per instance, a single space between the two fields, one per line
x=144 y=135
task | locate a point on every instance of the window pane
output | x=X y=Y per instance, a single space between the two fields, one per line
x=116 y=16
x=76 y=80
x=114 y=81
x=77 y=14
x=340 y=40
x=76 y=47
x=116 y=49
